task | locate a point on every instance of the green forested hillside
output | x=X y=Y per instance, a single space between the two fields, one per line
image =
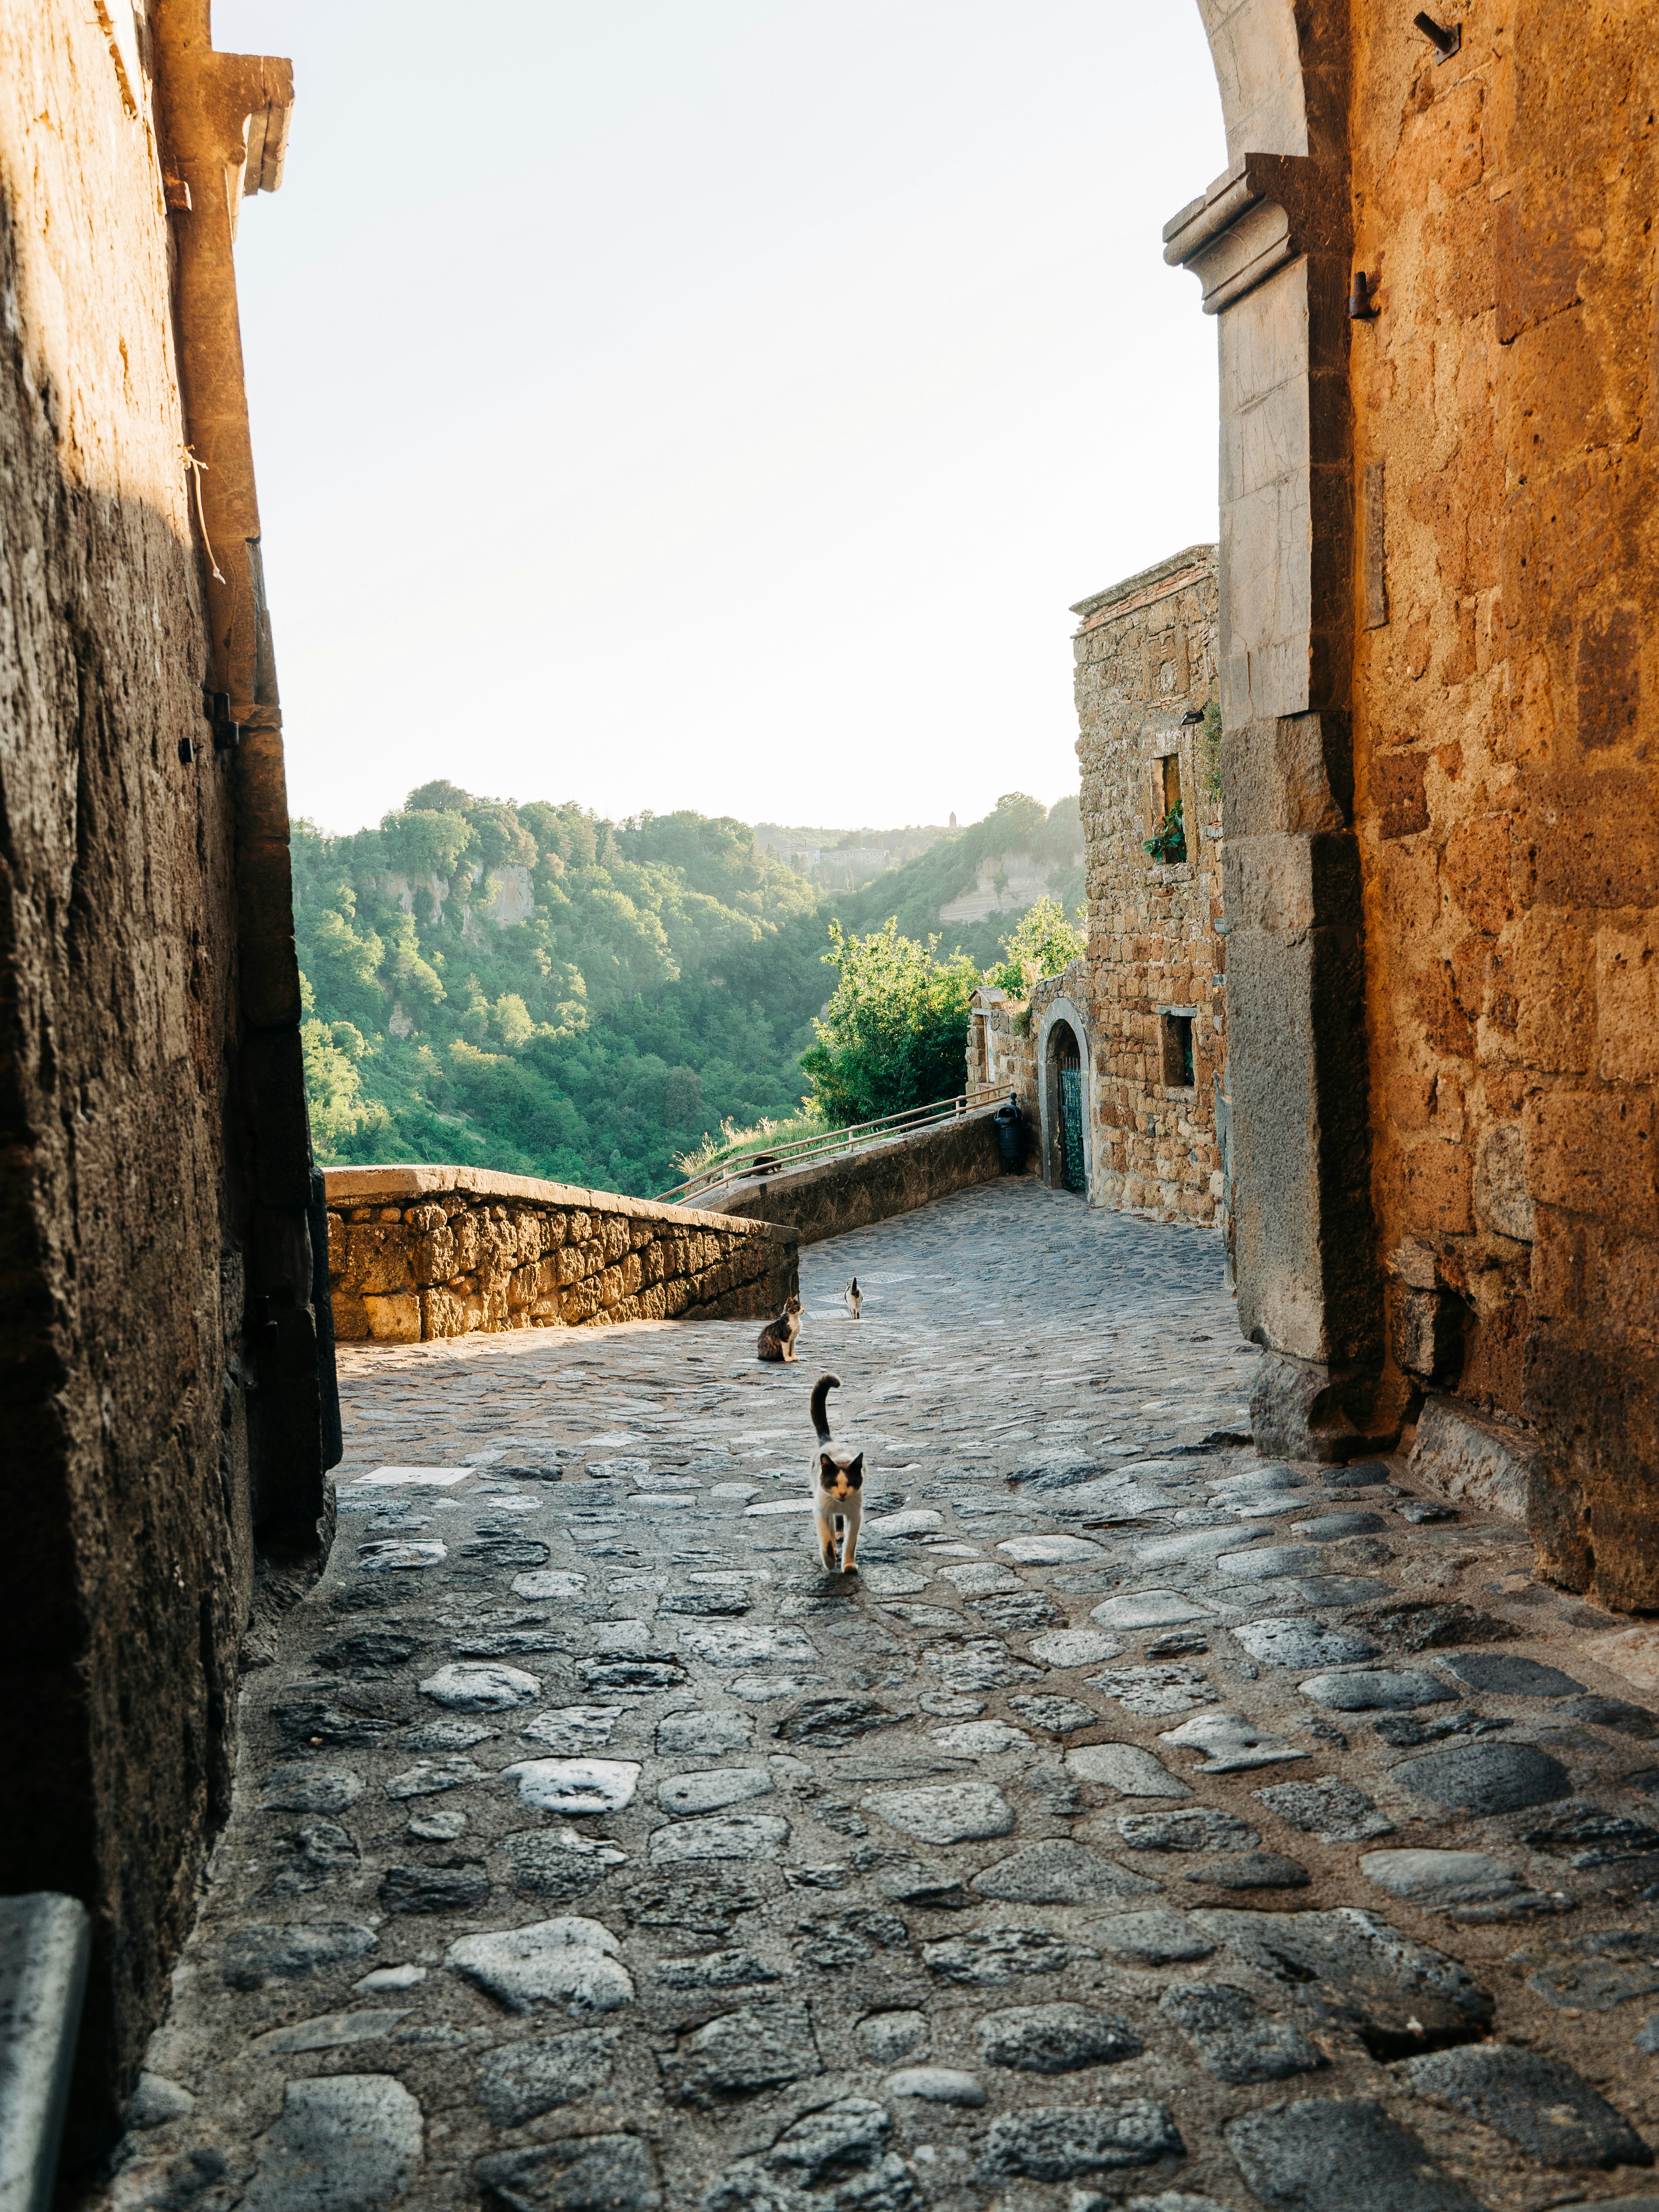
x=533 y=989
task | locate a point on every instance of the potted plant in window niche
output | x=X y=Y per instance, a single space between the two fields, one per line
x=1168 y=843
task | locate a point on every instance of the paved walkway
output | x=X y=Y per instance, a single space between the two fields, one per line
x=1146 y=1825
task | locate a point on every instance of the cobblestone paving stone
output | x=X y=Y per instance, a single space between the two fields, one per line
x=1144 y=1825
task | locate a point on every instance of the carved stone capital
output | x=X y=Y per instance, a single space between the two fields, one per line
x=1262 y=212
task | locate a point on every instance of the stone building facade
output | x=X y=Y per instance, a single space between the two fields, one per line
x=1142 y=1017
x=169 y=1398
x=1145 y=657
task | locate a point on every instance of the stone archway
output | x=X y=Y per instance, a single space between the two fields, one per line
x=1065 y=1098
x=1269 y=241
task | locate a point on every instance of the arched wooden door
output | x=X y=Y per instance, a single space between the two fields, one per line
x=1070 y=1162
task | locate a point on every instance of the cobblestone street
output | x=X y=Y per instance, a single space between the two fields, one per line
x=1146 y=1823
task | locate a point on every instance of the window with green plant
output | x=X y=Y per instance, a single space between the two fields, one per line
x=1167 y=842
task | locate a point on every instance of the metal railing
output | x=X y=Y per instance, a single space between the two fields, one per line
x=834 y=1144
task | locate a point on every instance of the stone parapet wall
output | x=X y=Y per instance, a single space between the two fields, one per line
x=832 y=1196
x=416 y=1253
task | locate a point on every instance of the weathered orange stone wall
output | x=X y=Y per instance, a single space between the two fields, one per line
x=1506 y=428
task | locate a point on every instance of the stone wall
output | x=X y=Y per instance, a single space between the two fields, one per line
x=1507 y=776
x=1442 y=860
x=416 y=1253
x=1002 y=1055
x=1145 y=656
x=832 y=1196
x=161 y=1422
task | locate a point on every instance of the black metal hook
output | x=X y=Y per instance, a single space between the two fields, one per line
x=1360 y=300
x=1445 y=42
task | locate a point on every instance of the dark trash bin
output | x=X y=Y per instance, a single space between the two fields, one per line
x=1011 y=1137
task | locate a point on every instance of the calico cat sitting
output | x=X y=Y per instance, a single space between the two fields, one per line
x=777 y=1338
x=837 y=1487
x=855 y=1297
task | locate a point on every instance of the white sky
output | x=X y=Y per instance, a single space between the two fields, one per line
x=718 y=405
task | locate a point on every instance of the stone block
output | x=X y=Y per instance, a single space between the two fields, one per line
x=1398 y=793
x=45 y=1944
x=434 y=1258
x=1437 y=1187
x=1595 y=1153
x=394 y=1320
x=1552 y=975
x=377 y=1260
x=1492 y=1467
x=1426 y=1329
x=1285 y=885
x=1502 y=1202
x=1627 y=1002
x=1297 y=1412
x=442 y=1314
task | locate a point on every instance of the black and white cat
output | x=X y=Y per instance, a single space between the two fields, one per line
x=855 y=1297
x=837 y=1487
x=777 y=1338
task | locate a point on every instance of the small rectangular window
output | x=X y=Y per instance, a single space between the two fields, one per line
x=1176 y=1031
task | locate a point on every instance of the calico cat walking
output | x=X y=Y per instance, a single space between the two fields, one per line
x=837 y=1487
x=855 y=1297
x=777 y=1338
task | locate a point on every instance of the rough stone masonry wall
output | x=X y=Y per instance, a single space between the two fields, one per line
x=131 y=1186
x=1506 y=409
x=1146 y=653
x=1002 y=1055
x=416 y=1253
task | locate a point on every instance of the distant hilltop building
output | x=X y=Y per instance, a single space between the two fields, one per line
x=1121 y=1062
x=953 y=821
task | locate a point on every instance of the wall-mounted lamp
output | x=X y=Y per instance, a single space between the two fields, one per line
x=1445 y=42
x=1360 y=300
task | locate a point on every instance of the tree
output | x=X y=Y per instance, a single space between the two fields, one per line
x=1044 y=944
x=423 y=842
x=894 y=1033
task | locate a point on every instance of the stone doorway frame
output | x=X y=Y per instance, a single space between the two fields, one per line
x=1270 y=242
x=1065 y=1013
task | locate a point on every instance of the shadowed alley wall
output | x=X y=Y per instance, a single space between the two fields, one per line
x=164 y=1409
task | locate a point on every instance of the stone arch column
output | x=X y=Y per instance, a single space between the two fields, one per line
x=1064 y=1011
x=1269 y=242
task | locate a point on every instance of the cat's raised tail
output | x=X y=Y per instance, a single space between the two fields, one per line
x=821 y=1390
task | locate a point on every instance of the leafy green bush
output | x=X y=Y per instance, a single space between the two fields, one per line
x=1042 y=942
x=1168 y=843
x=733 y=1143
x=895 y=1032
